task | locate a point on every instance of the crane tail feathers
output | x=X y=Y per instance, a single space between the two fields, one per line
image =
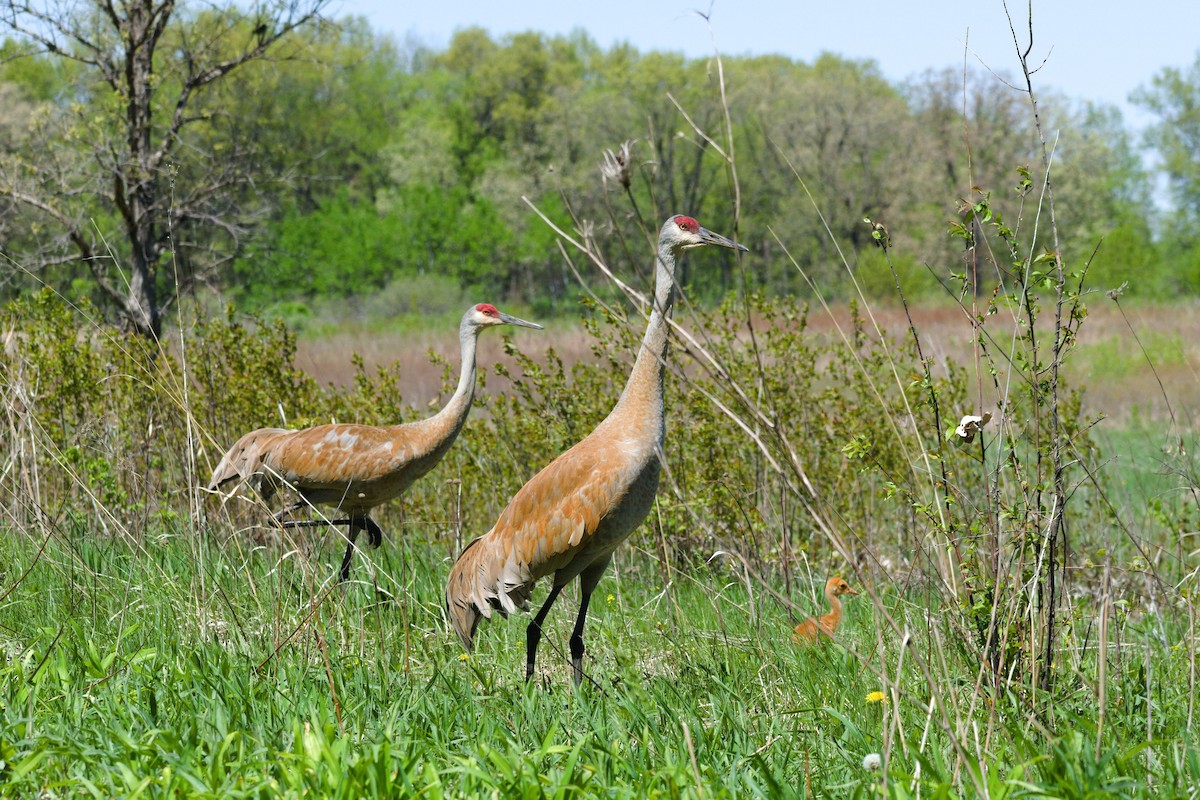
x=482 y=581
x=245 y=462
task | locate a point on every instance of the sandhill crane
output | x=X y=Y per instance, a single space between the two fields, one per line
x=570 y=517
x=357 y=467
x=814 y=628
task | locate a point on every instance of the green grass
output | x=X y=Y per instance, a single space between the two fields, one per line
x=155 y=645
x=186 y=664
x=1118 y=356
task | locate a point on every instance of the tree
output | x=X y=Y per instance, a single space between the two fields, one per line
x=1174 y=96
x=119 y=152
x=1103 y=196
x=319 y=123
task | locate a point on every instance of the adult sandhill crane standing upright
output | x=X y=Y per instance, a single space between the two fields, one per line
x=357 y=467
x=813 y=629
x=570 y=517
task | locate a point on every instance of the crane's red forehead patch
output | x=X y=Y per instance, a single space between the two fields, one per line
x=487 y=308
x=687 y=223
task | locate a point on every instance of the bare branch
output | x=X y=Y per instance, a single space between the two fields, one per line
x=198 y=80
x=58 y=22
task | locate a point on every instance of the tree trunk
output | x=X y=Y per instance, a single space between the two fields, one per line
x=141 y=308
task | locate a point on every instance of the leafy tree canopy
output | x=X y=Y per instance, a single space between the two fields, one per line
x=348 y=161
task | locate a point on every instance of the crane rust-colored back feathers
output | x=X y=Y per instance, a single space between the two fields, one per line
x=354 y=467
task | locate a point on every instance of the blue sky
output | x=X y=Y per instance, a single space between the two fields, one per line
x=1099 y=50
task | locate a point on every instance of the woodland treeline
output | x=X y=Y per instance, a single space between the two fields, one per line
x=335 y=161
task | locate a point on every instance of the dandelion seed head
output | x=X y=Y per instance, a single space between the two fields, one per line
x=617 y=166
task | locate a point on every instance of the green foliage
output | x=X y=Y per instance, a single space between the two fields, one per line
x=316 y=123
x=89 y=395
x=355 y=247
x=919 y=281
x=113 y=419
x=375 y=163
x=242 y=377
x=197 y=703
x=1173 y=95
x=41 y=79
x=1127 y=257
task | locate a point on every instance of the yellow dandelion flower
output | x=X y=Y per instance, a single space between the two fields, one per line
x=463 y=657
x=611 y=598
x=876 y=697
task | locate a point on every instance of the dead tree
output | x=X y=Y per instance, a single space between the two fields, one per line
x=144 y=66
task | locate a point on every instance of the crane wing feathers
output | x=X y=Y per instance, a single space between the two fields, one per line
x=560 y=508
x=331 y=456
x=327 y=457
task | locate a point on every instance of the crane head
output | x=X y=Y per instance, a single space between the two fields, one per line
x=836 y=586
x=485 y=315
x=683 y=232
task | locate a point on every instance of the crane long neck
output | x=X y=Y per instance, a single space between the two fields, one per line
x=835 y=609
x=455 y=412
x=644 y=390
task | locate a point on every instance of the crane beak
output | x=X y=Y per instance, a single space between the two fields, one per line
x=511 y=320
x=708 y=237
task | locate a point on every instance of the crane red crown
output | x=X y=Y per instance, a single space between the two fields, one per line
x=687 y=223
x=487 y=308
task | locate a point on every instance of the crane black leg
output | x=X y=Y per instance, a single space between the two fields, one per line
x=351 y=535
x=587 y=584
x=577 y=638
x=533 y=634
x=280 y=515
x=356 y=523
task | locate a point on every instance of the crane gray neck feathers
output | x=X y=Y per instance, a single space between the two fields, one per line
x=646 y=379
x=459 y=404
x=655 y=339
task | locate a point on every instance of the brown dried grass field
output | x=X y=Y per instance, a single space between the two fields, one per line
x=1108 y=364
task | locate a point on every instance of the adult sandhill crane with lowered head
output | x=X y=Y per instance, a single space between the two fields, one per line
x=570 y=517
x=357 y=467
x=816 y=629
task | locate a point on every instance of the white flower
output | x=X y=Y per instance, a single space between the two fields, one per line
x=971 y=425
x=872 y=762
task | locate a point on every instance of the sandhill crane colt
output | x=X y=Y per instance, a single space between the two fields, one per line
x=814 y=629
x=357 y=467
x=570 y=517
